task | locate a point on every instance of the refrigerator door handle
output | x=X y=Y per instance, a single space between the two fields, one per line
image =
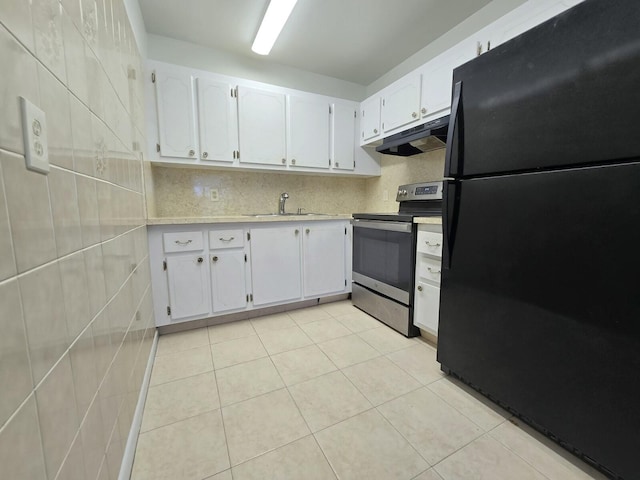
x=451 y=170
x=451 y=201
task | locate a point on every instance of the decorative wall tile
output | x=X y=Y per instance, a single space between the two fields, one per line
x=83 y=147
x=47 y=29
x=15 y=374
x=58 y=415
x=75 y=59
x=95 y=279
x=27 y=195
x=15 y=15
x=20 y=447
x=20 y=79
x=64 y=206
x=7 y=259
x=88 y=205
x=83 y=366
x=44 y=315
x=75 y=293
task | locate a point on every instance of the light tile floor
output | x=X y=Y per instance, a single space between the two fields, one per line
x=323 y=393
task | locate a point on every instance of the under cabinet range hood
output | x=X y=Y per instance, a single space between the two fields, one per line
x=423 y=138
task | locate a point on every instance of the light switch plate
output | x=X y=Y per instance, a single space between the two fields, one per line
x=34 y=130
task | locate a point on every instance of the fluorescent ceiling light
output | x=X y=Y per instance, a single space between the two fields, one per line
x=274 y=19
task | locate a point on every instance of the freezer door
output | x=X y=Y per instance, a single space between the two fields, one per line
x=564 y=93
x=540 y=303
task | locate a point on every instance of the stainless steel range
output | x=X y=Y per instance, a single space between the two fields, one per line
x=384 y=252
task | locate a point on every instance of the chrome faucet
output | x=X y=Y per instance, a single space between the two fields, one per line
x=283 y=198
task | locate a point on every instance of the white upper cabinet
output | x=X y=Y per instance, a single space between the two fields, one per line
x=261 y=123
x=308 y=131
x=437 y=77
x=370 y=119
x=343 y=128
x=401 y=104
x=176 y=116
x=217 y=120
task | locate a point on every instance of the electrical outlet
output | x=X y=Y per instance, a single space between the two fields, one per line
x=213 y=195
x=34 y=130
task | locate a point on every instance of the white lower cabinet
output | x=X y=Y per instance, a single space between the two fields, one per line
x=206 y=270
x=275 y=264
x=228 y=281
x=188 y=282
x=324 y=254
x=426 y=305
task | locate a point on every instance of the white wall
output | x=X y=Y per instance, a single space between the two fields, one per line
x=134 y=13
x=477 y=21
x=196 y=56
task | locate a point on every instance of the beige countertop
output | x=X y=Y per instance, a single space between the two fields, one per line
x=244 y=219
x=428 y=220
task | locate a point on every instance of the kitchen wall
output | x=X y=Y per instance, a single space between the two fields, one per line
x=75 y=307
x=398 y=171
x=261 y=69
x=185 y=192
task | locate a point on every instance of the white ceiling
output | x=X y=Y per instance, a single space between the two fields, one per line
x=353 y=40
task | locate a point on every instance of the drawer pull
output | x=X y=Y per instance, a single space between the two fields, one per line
x=429 y=244
x=183 y=244
x=431 y=270
x=226 y=239
x=214 y=259
x=200 y=259
x=419 y=288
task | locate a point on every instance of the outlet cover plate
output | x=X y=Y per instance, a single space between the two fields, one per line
x=34 y=130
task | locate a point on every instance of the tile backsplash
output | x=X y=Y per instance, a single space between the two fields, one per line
x=75 y=304
x=186 y=192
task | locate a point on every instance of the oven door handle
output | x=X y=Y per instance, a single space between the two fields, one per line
x=404 y=227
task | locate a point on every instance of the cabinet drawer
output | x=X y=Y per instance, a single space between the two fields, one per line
x=182 y=242
x=225 y=239
x=428 y=268
x=430 y=243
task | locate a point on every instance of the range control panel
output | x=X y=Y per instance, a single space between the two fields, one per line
x=420 y=191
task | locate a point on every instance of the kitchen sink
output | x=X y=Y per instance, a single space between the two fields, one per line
x=282 y=214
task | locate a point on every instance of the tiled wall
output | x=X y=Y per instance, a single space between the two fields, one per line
x=398 y=171
x=184 y=192
x=75 y=303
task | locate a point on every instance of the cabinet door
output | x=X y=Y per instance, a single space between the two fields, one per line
x=308 y=133
x=188 y=281
x=176 y=115
x=275 y=264
x=343 y=129
x=218 y=120
x=324 y=259
x=401 y=104
x=370 y=119
x=261 y=120
x=437 y=78
x=426 y=307
x=228 y=281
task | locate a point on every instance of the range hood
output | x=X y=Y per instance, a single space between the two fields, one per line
x=423 y=138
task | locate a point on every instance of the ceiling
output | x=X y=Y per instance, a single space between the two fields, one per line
x=353 y=40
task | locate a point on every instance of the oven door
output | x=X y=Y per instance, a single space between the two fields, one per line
x=383 y=257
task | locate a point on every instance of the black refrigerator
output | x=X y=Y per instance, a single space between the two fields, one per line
x=540 y=294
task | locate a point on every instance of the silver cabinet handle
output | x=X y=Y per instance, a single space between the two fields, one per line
x=419 y=288
x=192 y=153
x=431 y=270
x=214 y=259
x=423 y=111
x=205 y=154
x=200 y=259
x=226 y=239
x=414 y=114
x=429 y=244
x=183 y=244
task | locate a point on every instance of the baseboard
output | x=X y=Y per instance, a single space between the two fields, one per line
x=132 y=440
